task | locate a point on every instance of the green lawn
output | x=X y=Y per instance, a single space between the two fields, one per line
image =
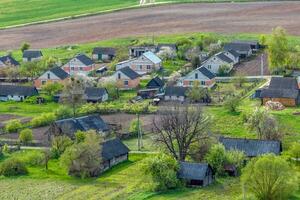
x=16 y=12
x=26 y=109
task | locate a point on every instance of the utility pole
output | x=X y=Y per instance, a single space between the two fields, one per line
x=262 y=65
x=140 y=135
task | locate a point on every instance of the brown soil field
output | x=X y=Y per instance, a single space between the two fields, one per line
x=253 y=17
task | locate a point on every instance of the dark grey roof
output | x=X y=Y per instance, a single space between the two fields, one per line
x=193 y=171
x=251 y=42
x=113 y=148
x=155 y=83
x=237 y=47
x=224 y=58
x=206 y=72
x=32 y=54
x=9 y=60
x=281 y=87
x=129 y=72
x=17 y=90
x=59 y=72
x=84 y=59
x=234 y=53
x=252 y=147
x=104 y=50
x=94 y=93
x=176 y=91
x=85 y=123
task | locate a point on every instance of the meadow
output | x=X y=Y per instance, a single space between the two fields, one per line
x=18 y=12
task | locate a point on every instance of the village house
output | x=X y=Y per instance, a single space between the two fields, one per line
x=176 y=93
x=70 y=126
x=8 y=61
x=196 y=174
x=104 y=54
x=114 y=151
x=201 y=75
x=244 y=50
x=214 y=63
x=254 y=44
x=95 y=94
x=53 y=75
x=252 y=147
x=80 y=64
x=137 y=51
x=146 y=63
x=32 y=55
x=281 y=89
x=155 y=82
x=16 y=92
x=126 y=78
x=233 y=55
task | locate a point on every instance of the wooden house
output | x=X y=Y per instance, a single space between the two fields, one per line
x=281 y=89
x=196 y=174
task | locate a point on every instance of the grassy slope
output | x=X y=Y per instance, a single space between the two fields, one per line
x=16 y=12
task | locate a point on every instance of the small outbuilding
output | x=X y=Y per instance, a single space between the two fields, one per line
x=32 y=55
x=103 y=53
x=196 y=174
x=252 y=147
x=281 y=89
x=16 y=92
x=95 y=94
x=176 y=93
x=156 y=82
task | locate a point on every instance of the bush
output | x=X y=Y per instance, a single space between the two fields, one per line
x=163 y=171
x=26 y=136
x=43 y=120
x=216 y=157
x=59 y=145
x=5 y=149
x=13 y=167
x=80 y=136
x=63 y=112
x=232 y=103
x=13 y=126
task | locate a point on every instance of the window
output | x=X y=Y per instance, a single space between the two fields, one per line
x=148 y=67
x=126 y=83
x=202 y=82
x=48 y=75
x=141 y=67
x=119 y=76
x=209 y=66
x=196 y=76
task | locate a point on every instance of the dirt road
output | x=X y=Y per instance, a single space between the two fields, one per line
x=256 y=17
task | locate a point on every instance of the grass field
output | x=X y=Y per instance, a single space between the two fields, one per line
x=16 y=12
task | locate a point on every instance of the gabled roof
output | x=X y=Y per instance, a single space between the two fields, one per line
x=129 y=72
x=206 y=72
x=156 y=82
x=176 y=91
x=94 y=93
x=84 y=59
x=104 y=50
x=234 y=53
x=152 y=57
x=224 y=58
x=113 y=148
x=17 y=90
x=32 y=54
x=193 y=171
x=9 y=60
x=59 y=72
x=251 y=42
x=237 y=47
x=252 y=147
x=85 y=123
x=281 y=87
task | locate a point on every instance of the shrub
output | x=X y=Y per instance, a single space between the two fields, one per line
x=88 y=108
x=80 y=136
x=216 y=157
x=63 y=112
x=5 y=149
x=13 y=126
x=270 y=177
x=25 y=136
x=43 y=120
x=163 y=171
x=59 y=145
x=13 y=167
x=232 y=103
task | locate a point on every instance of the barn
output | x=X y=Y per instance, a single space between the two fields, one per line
x=281 y=89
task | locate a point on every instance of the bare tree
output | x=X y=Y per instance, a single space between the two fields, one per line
x=73 y=94
x=178 y=128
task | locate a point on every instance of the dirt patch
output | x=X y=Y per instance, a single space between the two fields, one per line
x=254 y=17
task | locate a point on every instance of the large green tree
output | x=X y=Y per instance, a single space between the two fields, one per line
x=269 y=178
x=278 y=49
